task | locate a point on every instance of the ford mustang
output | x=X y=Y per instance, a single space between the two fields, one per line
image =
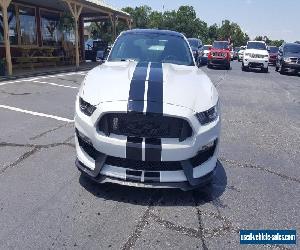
x=148 y=116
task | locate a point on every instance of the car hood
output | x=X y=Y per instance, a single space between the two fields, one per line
x=185 y=86
x=257 y=51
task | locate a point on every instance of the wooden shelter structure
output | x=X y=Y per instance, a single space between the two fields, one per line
x=31 y=32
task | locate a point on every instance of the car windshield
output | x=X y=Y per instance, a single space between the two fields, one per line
x=152 y=47
x=293 y=48
x=193 y=43
x=206 y=47
x=220 y=45
x=273 y=49
x=256 y=45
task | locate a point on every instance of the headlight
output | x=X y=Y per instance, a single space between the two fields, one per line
x=287 y=59
x=86 y=108
x=266 y=55
x=209 y=115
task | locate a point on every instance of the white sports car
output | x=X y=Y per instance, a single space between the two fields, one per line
x=148 y=116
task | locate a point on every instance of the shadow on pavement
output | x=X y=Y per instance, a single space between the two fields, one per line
x=167 y=197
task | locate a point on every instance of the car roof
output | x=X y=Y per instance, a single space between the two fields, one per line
x=153 y=31
x=256 y=42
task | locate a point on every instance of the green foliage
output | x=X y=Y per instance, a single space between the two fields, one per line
x=269 y=42
x=66 y=23
x=183 y=20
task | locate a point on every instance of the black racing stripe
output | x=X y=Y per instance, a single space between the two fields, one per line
x=132 y=175
x=153 y=149
x=134 y=148
x=155 y=89
x=137 y=88
x=151 y=177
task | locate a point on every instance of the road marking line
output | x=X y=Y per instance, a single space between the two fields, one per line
x=55 y=84
x=36 y=113
x=44 y=77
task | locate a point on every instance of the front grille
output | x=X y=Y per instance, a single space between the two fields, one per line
x=256 y=56
x=220 y=54
x=294 y=59
x=143 y=165
x=298 y=60
x=144 y=125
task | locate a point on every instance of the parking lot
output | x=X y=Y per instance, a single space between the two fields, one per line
x=46 y=203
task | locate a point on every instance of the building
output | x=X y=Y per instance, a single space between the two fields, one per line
x=44 y=32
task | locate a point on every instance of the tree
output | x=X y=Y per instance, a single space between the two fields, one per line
x=140 y=16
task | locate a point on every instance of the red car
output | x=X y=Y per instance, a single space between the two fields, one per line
x=273 y=51
x=219 y=55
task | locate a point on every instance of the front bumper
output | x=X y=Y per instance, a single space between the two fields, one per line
x=256 y=62
x=291 y=66
x=184 y=185
x=105 y=160
x=218 y=62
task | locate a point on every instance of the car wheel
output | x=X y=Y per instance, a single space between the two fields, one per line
x=209 y=66
x=265 y=70
x=281 y=69
x=228 y=66
x=243 y=67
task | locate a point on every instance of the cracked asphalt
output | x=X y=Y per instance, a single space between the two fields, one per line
x=46 y=204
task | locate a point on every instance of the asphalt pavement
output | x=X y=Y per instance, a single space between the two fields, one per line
x=45 y=203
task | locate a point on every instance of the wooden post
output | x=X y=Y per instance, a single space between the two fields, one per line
x=75 y=9
x=129 y=23
x=4 y=5
x=113 y=20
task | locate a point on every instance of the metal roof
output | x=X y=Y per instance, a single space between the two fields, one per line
x=102 y=3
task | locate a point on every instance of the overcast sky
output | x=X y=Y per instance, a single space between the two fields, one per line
x=278 y=19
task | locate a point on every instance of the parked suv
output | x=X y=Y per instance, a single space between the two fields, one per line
x=219 y=55
x=273 y=51
x=196 y=45
x=256 y=55
x=96 y=50
x=204 y=54
x=288 y=58
x=241 y=53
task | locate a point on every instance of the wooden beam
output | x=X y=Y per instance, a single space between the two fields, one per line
x=4 y=6
x=75 y=10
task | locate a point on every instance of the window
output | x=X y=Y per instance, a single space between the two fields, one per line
x=27 y=25
x=220 y=45
x=51 y=36
x=152 y=47
x=12 y=27
x=256 y=45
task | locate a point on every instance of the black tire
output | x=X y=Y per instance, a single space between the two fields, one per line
x=209 y=66
x=227 y=66
x=265 y=70
x=281 y=70
x=244 y=68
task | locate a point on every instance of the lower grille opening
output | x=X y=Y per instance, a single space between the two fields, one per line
x=87 y=147
x=144 y=165
x=204 y=155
